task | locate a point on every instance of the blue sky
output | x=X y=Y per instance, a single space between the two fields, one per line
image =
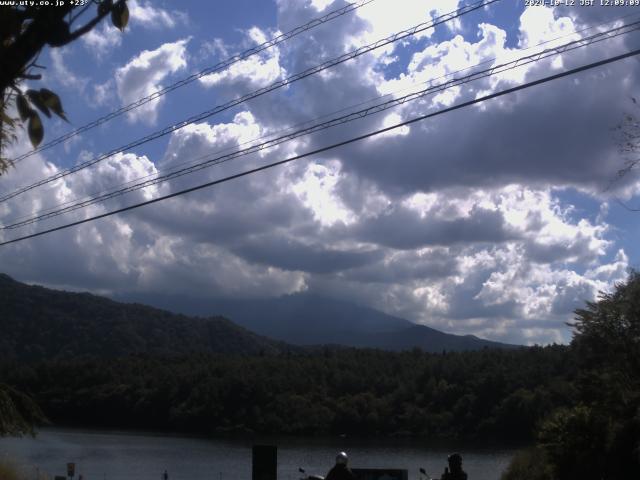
x=493 y=220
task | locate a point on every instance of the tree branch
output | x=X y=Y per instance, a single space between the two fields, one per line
x=30 y=76
x=27 y=46
x=89 y=26
x=85 y=29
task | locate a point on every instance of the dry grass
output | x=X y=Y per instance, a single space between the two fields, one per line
x=10 y=470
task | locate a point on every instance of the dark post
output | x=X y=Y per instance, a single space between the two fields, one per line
x=265 y=462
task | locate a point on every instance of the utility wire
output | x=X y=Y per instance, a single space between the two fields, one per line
x=192 y=78
x=291 y=128
x=431 y=90
x=279 y=84
x=333 y=146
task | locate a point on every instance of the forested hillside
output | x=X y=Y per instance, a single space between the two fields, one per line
x=39 y=323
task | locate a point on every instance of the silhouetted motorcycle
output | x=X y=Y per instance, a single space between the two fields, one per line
x=424 y=475
x=309 y=477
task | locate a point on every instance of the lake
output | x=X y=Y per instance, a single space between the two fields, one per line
x=107 y=455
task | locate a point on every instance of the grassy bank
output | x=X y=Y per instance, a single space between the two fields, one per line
x=10 y=470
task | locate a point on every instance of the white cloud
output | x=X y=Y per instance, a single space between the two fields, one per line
x=62 y=74
x=104 y=93
x=200 y=140
x=504 y=290
x=384 y=19
x=105 y=37
x=146 y=250
x=102 y=39
x=148 y=16
x=215 y=48
x=316 y=191
x=143 y=75
x=256 y=71
x=540 y=24
x=455 y=223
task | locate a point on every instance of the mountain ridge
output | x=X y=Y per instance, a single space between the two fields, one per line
x=41 y=323
x=326 y=321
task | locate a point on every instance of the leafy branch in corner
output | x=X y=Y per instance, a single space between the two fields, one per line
x=24 y=32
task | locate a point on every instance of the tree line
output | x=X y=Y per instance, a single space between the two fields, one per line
x=489 y=393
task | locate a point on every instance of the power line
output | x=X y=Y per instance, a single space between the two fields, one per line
x=57 y=208
x=207 y=71
x=333 y=146
x=279 y=84
x=433 y=89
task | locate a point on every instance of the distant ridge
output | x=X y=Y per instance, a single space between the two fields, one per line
x=38 y=323
x=307 y=319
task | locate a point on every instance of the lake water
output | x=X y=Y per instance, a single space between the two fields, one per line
x=106 y=455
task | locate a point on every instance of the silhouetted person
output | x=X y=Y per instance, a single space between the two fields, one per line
x=340 y=470
x=165 y=475
x=454 y=472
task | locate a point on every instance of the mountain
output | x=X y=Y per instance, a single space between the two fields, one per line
x=428 y=339
x=39 y=323
x=306 y=319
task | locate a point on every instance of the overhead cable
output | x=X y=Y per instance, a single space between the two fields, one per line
x=279 y=84
x=331 y=147
x=291 y=128
x=362 y=113
x=192 y=78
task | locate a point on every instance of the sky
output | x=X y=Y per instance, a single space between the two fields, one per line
x=497 y=220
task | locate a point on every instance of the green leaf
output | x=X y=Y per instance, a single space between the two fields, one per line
x=120 y=15
x=36 y=130
x=52 y=101
x=36 y=99
x=24 y=110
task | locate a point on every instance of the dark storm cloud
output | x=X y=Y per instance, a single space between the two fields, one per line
x=403 y=267
x=291 y=254
x=558 y=134
x=577 y=248
x=224 y=216
x=405 y=229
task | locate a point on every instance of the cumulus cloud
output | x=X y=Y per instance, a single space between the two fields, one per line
x=105 y=37
x=62 y=74
x=538 y=25
x=256 y=71
x=149 y=16
x=102 y=39
x=532 y=136
x=143 y=75
x=148 y=251
x=458 y=223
